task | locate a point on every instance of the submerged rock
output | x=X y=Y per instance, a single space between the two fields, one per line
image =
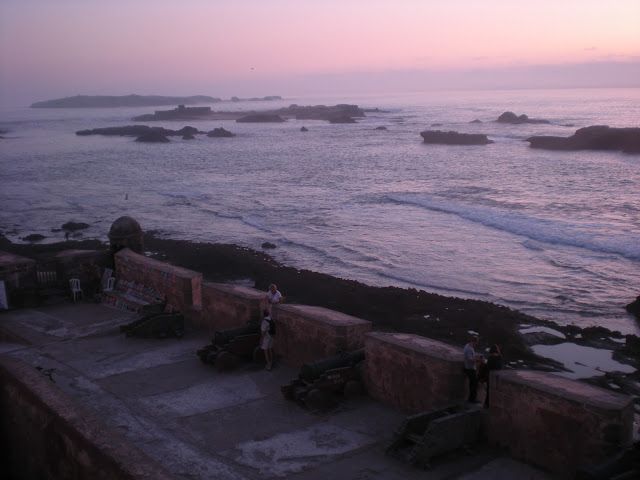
x=73 y=226
x=220 y=133
x=596 y=137
x=476 y=121
x=510 y=117
x=304 y=129
x=152 y=137
x=268 y=245
x=34 y=237
x=454 y=138
x=380 y=128
x=261 y=118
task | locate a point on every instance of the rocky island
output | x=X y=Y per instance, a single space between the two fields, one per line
x=342 y=113
x=454 y=138
x=110 y=101
x=144 y=133
x=510 y=117
x=595 y=137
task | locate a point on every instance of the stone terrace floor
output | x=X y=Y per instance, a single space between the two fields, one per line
x=202 y=424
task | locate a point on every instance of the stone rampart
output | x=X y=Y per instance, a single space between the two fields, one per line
x=413 y=373
x=181 y=286
x=307 y=333
x=46 y=436
x=557 y=423
x=229 y=306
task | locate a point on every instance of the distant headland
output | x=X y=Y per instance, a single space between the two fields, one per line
x=110 y=101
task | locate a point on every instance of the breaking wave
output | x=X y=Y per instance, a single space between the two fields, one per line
x=543 y=230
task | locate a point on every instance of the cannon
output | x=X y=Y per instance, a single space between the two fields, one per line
x=156 y=325
x=230 y=346
x=320 y=384
x=427 y=435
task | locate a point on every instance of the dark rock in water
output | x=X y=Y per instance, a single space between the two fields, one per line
x=510 y=117
x=73 y=226
x=380 y=128
x=138 y=130
x=220 y=133
x=152 y=137
x=34 y=237
x=304 y=129
x=180 y=113
x=596 y=137
x=634 y=307
x=127 y=130
x=188 y=130
x=268 y=245
x=436 y=124
x=324 y=112
x=261 y=118
x=476 y=121
x=342 y=119
x=454 y=138
x=188 y=136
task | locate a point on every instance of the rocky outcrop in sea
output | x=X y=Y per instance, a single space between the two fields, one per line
x=510 y=117
x=454 y=138
x=220 y=133
x=595 y=137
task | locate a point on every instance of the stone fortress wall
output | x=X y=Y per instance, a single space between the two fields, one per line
x=541 y=418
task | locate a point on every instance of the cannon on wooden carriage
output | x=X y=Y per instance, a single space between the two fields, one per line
x=156 y=325
x=427 y=435
x=229 y=347
x=320 y=385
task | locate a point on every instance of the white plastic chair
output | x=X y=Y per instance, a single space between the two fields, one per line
x=111 y=283
x=76 y=290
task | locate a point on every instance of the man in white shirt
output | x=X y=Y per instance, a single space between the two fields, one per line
x=470 y=367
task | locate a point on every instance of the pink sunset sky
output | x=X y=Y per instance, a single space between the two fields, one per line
x=261 y=47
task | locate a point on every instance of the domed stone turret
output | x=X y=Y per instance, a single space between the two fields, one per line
x=126 y=232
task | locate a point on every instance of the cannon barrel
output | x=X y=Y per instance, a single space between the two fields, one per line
x=312 y=371
x=222 y=337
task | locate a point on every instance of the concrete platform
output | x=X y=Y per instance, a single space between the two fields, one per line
x=201 y=424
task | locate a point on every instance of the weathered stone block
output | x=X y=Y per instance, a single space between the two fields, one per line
x=308 y=333
x=181 y=286
x=413 y=373
x=229 y=306
x=557 y=423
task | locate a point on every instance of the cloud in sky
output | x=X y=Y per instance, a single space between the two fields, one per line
x=71 y=46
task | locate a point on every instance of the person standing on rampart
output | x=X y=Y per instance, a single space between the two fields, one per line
x=470 y=361
x=267 y=329
x=273 y=296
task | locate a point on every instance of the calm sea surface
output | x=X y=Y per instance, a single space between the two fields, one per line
x=554 y=234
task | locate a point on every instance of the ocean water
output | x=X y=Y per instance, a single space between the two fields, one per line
x=553 y=234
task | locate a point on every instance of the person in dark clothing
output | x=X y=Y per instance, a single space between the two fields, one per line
x=494 y=362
